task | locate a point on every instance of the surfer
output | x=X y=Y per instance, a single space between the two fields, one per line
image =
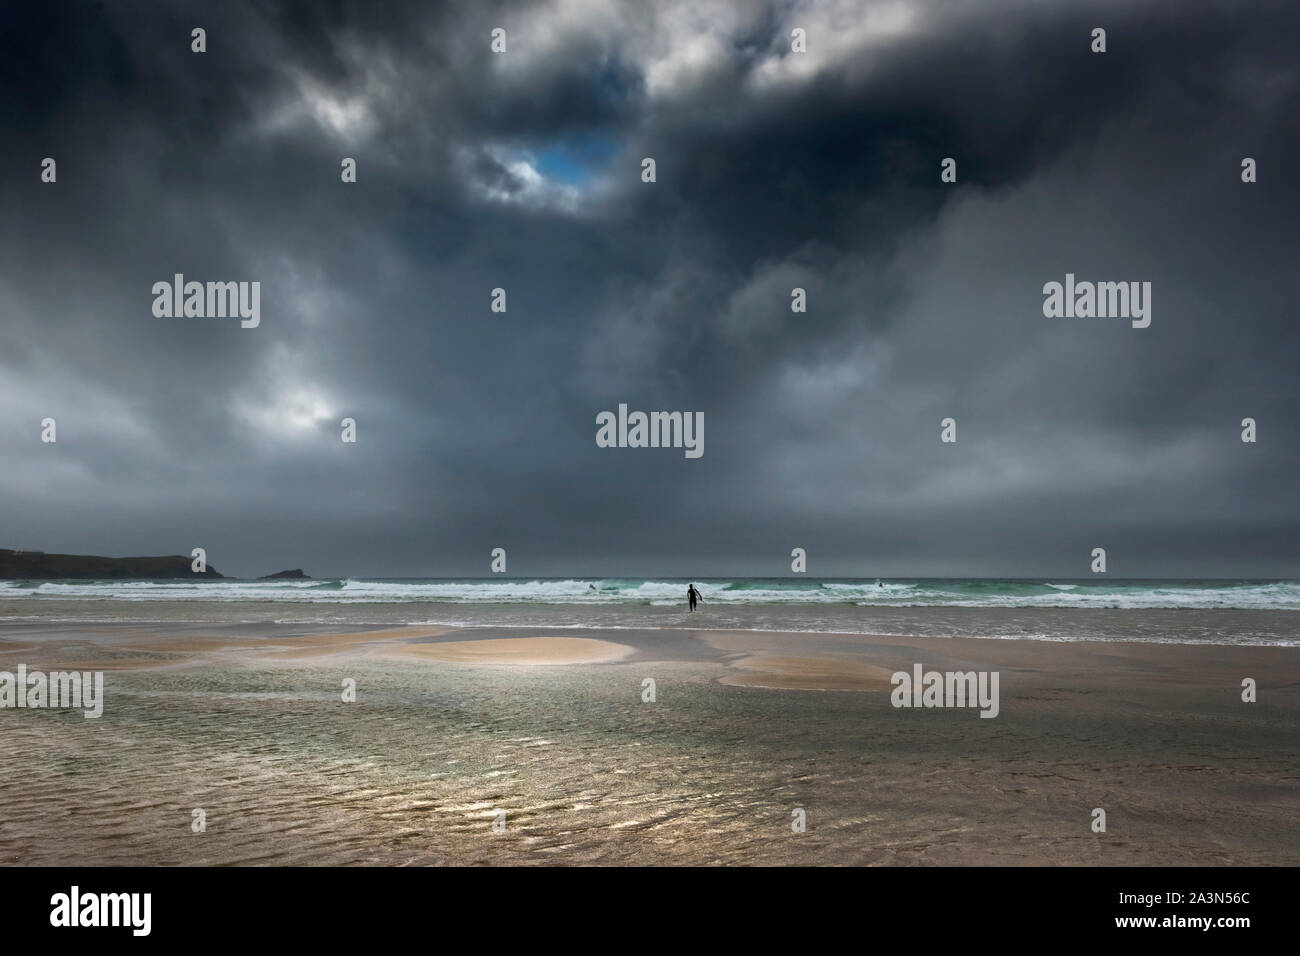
x=692 y=595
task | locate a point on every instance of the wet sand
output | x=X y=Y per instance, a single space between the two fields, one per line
x=514 y=650
x=449 y=727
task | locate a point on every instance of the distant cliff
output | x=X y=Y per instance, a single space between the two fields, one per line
x=37 y=565
x=296 y=573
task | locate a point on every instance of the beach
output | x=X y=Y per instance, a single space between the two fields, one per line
x=245 y=727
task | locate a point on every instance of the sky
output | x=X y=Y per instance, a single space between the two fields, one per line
x=774 y=170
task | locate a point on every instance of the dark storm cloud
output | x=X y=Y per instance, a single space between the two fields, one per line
x=521 y=171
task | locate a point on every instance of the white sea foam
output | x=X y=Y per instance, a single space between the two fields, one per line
x=666 y=593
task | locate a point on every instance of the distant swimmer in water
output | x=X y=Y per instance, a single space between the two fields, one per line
x=692 y=595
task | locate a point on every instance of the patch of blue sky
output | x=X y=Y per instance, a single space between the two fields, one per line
x=577 y=159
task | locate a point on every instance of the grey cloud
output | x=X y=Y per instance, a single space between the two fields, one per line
x=476 y=429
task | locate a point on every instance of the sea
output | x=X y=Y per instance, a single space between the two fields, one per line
x=1234 y=612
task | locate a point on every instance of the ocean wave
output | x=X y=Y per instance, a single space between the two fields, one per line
x=658 y=592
